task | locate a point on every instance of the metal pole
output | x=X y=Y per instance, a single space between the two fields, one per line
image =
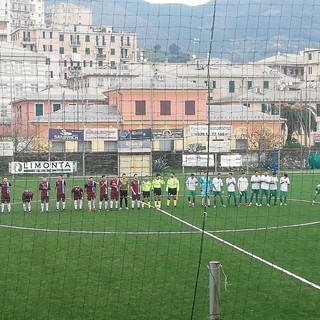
x=214 y=290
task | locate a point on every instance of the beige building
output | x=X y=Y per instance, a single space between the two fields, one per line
x=68 y=14
x=312 y=64
x=72 y=49
x=15 y=13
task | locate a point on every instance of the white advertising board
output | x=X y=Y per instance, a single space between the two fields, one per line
x=6 y=149
x=42 y=167
x=106 y=134
x=231 y=160
x=216 y=146
x=197 y=160
x=215 y=130
x=134 y=146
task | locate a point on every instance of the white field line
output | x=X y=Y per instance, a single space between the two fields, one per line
x=314 y=285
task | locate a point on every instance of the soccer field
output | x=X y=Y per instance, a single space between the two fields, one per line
x=143 y=264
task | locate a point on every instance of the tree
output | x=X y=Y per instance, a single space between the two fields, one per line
x=174 y=49
x=300 y=120
x=263 y=140
x=157 y=47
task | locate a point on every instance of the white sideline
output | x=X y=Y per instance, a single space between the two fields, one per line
x=314 y=285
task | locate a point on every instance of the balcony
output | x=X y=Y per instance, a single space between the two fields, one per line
x=100 y=43
x=101 y=56
x=125 y=45
x=27 y=40
x=75 y=43
x=126 y=58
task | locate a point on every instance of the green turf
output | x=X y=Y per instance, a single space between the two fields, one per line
x=48 y=274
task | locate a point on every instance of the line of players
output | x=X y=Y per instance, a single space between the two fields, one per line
x=119 y=192
x=262 y=186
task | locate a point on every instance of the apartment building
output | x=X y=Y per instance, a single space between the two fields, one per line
x=68 y=14
x=14 y=13
x=312 y=64
x=70 y=49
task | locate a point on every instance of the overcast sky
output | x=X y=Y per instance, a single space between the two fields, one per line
x=186 y=2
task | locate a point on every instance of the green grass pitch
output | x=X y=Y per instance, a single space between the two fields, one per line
x=143 y=264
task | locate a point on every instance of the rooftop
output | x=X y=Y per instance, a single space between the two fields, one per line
x=82 y=114
x=239 y=113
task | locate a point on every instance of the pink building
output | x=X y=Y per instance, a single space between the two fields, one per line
x=47 y=102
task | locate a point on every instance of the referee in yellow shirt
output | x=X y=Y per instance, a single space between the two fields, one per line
x=172 y=189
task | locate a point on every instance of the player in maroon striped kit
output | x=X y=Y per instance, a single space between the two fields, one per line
x=61 y=187
x=77 y=196
x=103 y=193
x=27 y=196
x=45 y=188
x=5 y=195
x=135 y=187
x=90 y=188
x=115 y=191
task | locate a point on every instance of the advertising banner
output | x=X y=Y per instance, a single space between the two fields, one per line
x=43 y=167
x=167 y=134
x=6 y=149
x=134 y=146
x=233 y=160
x=66 y=135
x=215 y=130
x=217 y=146
x=197 y=160
x=138 y=134
x=106 y=134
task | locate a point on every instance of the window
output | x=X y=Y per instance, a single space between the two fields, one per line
x=3 y=90
x=84 y=146
x=100 y=63
x=318 y=110
x=165 y=108
x=190 y=108
x=4 y=111
x=241 y=144
x=61 y=37
x=111 y=146
x=214 y=84
x=113 y=52
x=58 y=146
x=231 y=86
x=112 y=39
x=18 y=90
x=141 y=108
x=250 y=84
x=34 y=87
x=39 y=109
x=74 y=50
x=87 y=38
x=309 y=56
x=47 y=61
x=56 y=107
x=87 y=51
x=100 y=82
x=61 y=50
x=310 y=70
x=265 y=84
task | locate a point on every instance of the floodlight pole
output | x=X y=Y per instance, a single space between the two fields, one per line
x=214 y=290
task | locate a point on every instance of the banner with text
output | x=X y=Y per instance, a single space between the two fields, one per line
x=197 y=160
x=215 y=130
x=138 y=134
x=167 y=134
x=106 y=134
x=6 y=149
x=231 y=160
x=43 y=167
x=66 y=135
x=134 y=146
